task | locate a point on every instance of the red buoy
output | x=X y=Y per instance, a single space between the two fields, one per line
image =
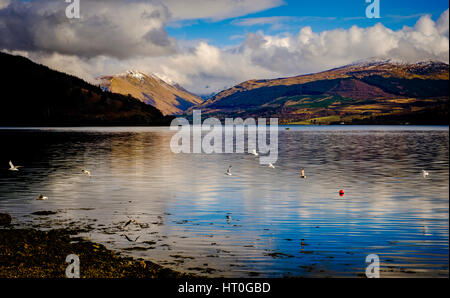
x=341 y=193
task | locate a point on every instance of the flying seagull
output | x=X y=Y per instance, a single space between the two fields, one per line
x=41 y=198
x=131 y=240
x=13 y=167
x=271 y=166
x=87 y=173
x=255 y=153
x=425 y=174
x=228 y=173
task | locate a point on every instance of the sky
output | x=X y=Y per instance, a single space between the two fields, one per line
x=290 y=15
x=209 y=45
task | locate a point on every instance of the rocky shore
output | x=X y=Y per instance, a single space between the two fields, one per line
x=30 y=253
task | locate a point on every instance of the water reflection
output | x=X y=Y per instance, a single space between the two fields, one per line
x=194 y=218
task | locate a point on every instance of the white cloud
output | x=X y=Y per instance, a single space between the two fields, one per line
x=442 y=23
x=217 y=9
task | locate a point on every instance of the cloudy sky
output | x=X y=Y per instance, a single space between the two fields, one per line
x=208 y=45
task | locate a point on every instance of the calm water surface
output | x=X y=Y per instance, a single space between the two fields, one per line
x=181 y=201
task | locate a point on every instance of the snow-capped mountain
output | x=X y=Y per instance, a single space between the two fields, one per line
x=149 y=88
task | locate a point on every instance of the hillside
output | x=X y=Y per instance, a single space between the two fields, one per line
x=169 y=99
x=366 y=92
x=35 y=95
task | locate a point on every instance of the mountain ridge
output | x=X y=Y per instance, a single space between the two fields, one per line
x=150 y=89
x=346 y=94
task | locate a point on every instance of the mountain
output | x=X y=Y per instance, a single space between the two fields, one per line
x=376 y=91
x=35 y=95
x=169 y=99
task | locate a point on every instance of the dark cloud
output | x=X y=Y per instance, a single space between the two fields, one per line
x=158 y=37
x=119 y=29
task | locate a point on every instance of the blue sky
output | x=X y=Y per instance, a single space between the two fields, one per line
x=319 y=15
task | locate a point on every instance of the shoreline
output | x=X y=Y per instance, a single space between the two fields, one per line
x=31 y=253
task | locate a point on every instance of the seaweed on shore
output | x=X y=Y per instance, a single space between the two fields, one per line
x=30 y=253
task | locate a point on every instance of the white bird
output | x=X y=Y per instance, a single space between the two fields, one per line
x=41 y=198
x=87 y=173
x=255 y=153
x=229 y=171
x=302 y=174
x=13 y=167
x=425 y=174
x=271 y=166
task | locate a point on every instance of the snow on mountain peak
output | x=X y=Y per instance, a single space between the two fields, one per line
x=134 y=74
x=378 y=61
x=139 y=75
x=394 y=61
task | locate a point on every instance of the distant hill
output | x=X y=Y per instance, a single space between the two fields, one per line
x=169 y=99
x=35 y=95
x=364 y=92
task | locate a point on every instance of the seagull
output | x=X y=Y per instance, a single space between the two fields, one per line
x=131 y=240
x=87 y=173
x=228 y=219
x=271 y=166
x=255 y=153
x=228 y=173
x=13 y=167
x=302 y=174
x=425 y=174
x=129 y=222
x=41 y=198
